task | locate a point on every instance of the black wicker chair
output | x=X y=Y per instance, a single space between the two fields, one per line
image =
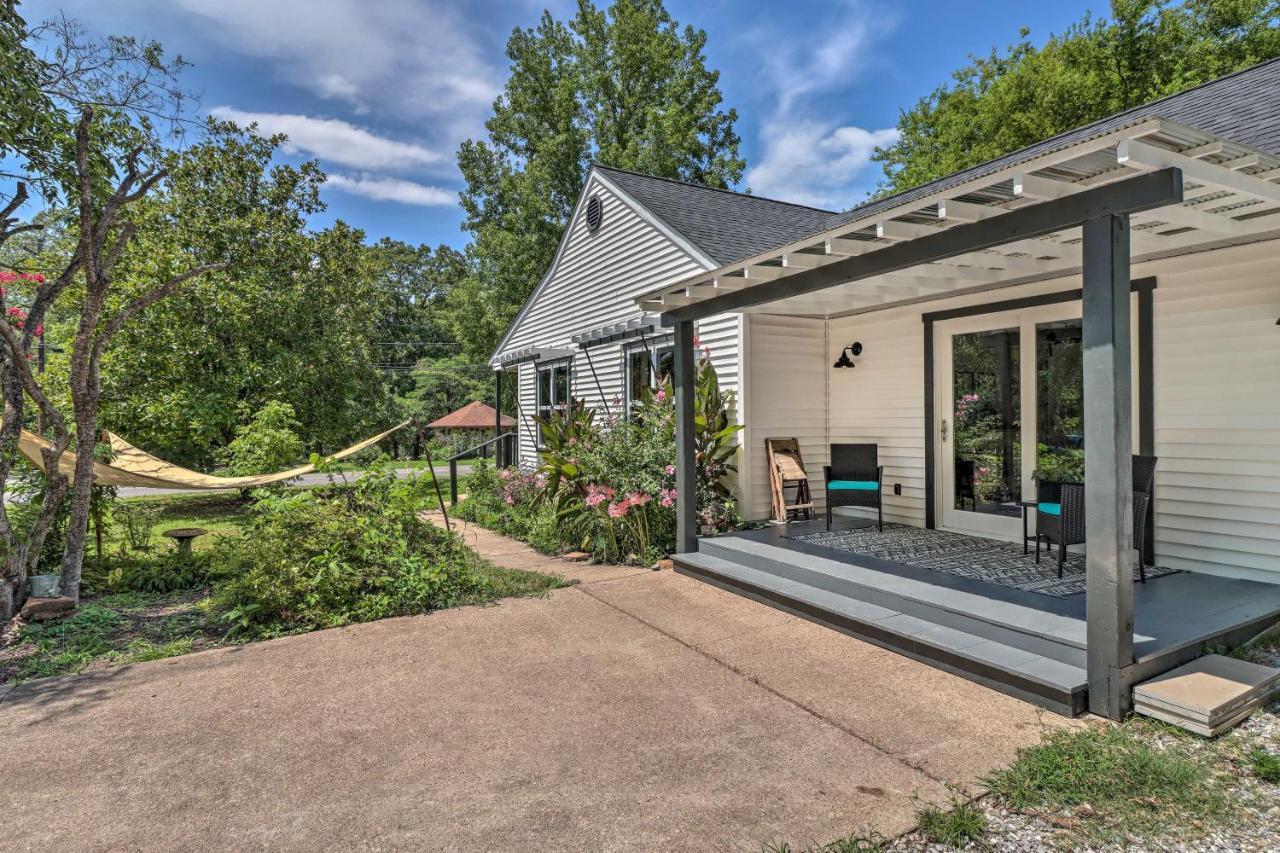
x=854 y=478
x=1060 y=513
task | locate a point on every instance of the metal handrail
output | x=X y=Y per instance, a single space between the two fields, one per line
x=453 y=461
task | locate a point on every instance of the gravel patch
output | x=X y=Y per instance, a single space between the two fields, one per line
x=1257 y=829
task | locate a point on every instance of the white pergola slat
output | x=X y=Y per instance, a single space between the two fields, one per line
x=1230 y=194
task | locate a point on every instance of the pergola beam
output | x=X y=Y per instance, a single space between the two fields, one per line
x=1137 y=152
x=1142 y=192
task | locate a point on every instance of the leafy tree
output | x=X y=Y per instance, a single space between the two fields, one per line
x=416 y=281
x=266 y=444
x=293 y=319
x=627 y=87
x=1007 y=100
x=443 y=385
x=83 y=136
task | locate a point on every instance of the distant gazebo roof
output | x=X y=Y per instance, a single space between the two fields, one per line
x=474 y=415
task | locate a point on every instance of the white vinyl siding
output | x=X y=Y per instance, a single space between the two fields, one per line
x=787 y=399
x=593 y=284
x=1217 y=371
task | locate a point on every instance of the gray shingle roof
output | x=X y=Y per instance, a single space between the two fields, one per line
x=727 y=226
x=1242 y=107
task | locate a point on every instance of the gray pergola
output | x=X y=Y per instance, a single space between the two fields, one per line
x=1102 y=213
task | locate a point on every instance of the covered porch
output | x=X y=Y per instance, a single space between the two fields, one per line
x=1085 y=211
x=1025 y=643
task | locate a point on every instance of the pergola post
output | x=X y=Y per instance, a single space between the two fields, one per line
x=497 y=418
x=1108 y=420
x=686 y=455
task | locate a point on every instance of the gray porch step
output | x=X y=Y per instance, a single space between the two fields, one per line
x=1050 y=683
x=1050 y=635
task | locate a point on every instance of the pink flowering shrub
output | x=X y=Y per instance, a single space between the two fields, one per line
x=612 y=480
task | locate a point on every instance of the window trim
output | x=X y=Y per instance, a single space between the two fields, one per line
x=549 y=367
x=655 y=348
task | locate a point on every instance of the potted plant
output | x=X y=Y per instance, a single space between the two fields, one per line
x=1055 y=466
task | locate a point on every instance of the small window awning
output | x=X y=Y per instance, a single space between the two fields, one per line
x=531 y=353
x=645 y=324
x=1230 y=195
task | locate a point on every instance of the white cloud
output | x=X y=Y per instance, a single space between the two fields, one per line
x=393 y=189
x=815 y=163
x=807 y=155
x=422 y=59
x=335 y=140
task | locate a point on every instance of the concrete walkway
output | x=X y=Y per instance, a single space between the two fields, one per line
x=636 y=710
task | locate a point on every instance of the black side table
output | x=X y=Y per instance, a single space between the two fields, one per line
x=1027 y=508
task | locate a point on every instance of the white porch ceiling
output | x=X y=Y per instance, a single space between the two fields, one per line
x=1230 y=196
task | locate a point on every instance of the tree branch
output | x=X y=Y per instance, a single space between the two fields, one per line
x=147 y=299
x=19 y=365
x=20 y=196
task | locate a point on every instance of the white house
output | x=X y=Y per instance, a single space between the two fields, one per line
x=978 y=285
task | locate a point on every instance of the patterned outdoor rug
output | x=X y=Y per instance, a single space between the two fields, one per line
x=987 y=560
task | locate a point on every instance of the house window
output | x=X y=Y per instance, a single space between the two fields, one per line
x=554 y=382
x=646 y=367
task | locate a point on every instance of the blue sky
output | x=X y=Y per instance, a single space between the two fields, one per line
x=381 y=92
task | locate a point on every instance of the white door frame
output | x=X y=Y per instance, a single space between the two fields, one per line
x=1025 y=320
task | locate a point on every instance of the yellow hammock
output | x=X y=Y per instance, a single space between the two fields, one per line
x=133 y=467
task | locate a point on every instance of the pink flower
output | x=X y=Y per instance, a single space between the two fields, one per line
x=40 y=329
x=15 y=311
x=619 y=509
x=8 y=277
x=671 y=470
x=667 y=497
x=661 y=396
x=638 y=498
x=36 y=277
x=697 y=341
x=597 y=495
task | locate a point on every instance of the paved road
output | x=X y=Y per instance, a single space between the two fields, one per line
x=637 y=710
x=442 y=471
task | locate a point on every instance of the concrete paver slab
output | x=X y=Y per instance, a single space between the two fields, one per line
x=948 y=726
x=550 y=724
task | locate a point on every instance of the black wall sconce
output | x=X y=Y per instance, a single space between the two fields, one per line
x=844 y=360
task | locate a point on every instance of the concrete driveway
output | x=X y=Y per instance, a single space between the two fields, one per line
x=637 y=710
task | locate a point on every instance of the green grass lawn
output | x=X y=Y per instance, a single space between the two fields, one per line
x=221 y=513
x=117 y=628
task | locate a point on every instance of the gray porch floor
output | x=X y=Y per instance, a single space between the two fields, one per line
x=1023 y=643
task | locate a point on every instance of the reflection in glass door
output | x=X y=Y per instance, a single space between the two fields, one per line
x=987 y=422
x=1059 y=402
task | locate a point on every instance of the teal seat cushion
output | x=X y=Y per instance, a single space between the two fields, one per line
x=855 y=485
x=1050 y=509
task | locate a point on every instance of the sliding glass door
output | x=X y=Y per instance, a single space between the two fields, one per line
x=1008 y=397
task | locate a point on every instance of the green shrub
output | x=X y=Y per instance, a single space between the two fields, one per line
x=161 y=573
x=312 y=561
x=137 y=520
x=613 y=483
x=268 y=443
x=507 y=501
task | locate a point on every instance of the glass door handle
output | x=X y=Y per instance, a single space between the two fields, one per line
x=944 y=429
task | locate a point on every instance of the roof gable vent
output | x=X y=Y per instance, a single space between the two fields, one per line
x=595 y=214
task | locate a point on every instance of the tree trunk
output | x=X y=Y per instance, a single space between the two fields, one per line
x=84 y=397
